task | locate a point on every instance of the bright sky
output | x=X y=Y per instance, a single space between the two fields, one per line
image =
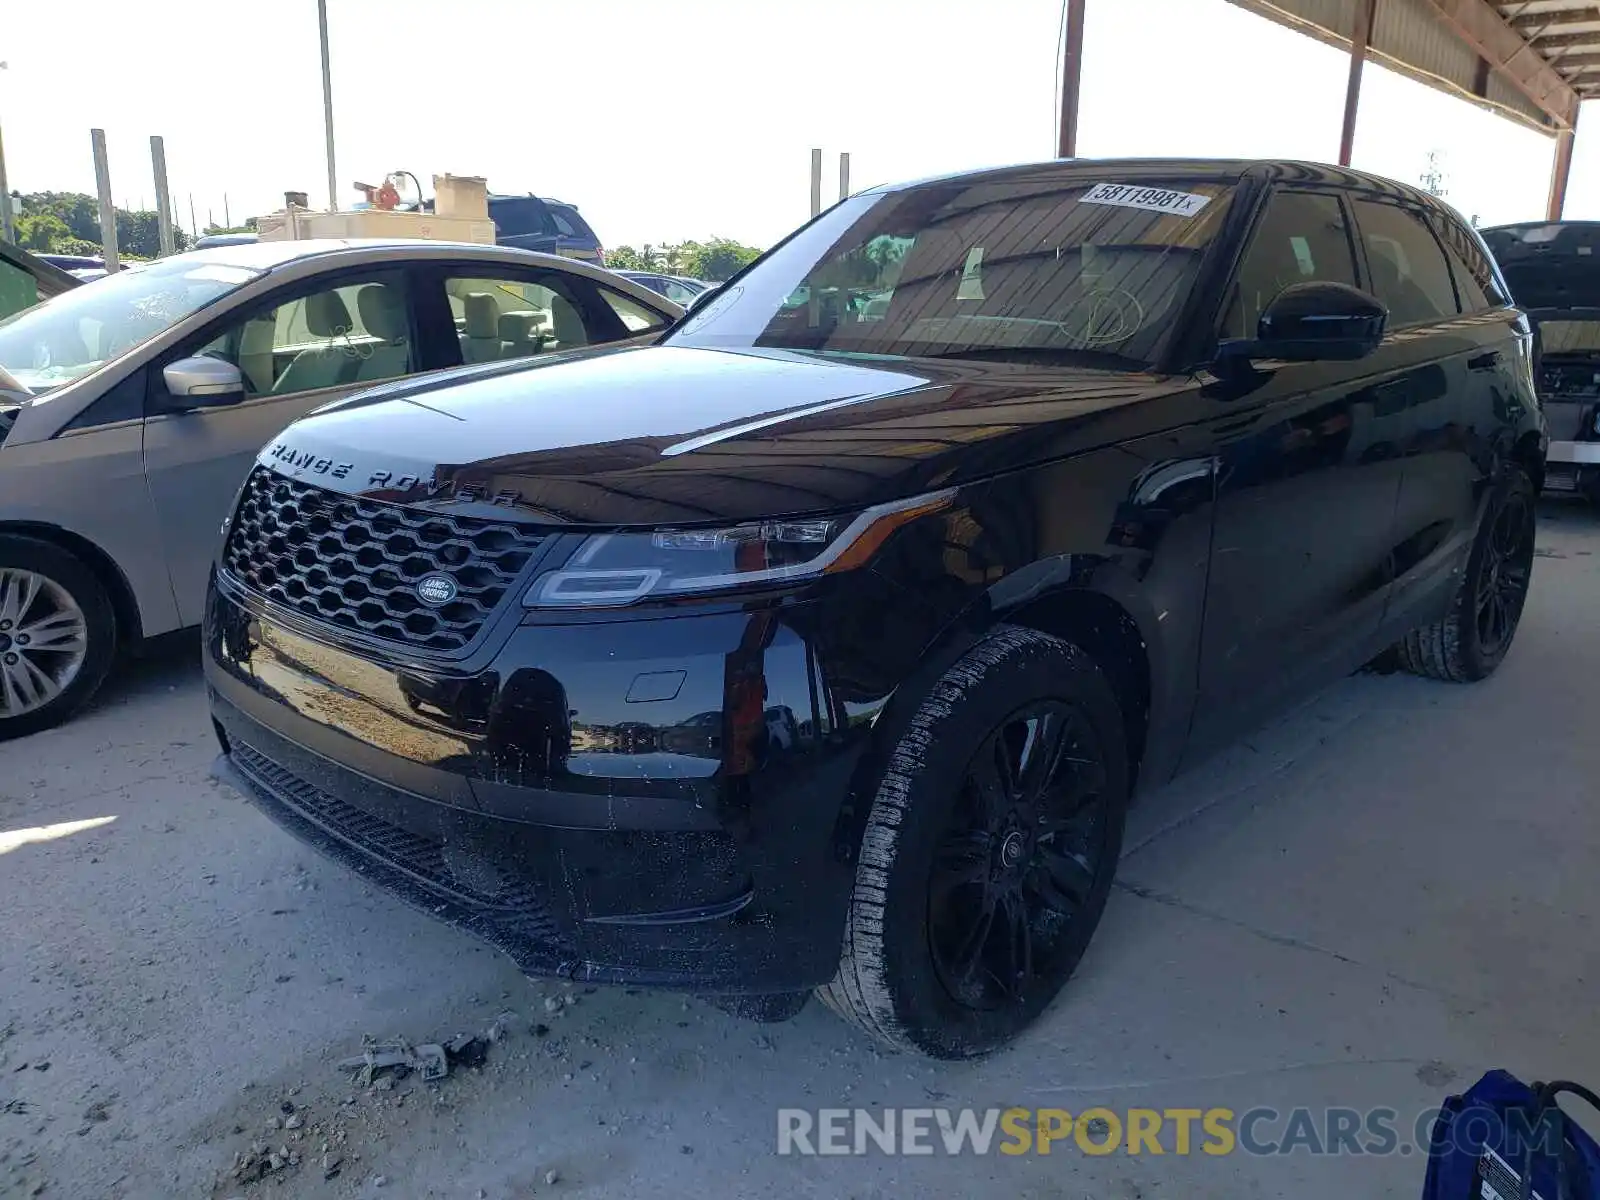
x=671 y=119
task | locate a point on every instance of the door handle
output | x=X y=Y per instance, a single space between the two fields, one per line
x=1484 y=362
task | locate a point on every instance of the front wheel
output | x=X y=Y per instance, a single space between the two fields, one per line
x=1472 y=638
x=57 y=635
x=989 y=850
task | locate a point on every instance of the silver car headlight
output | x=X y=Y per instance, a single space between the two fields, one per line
x=614 y=569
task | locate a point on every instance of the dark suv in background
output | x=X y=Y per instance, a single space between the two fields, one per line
x=1553 y=269
x=822 y=644
x=551 y=226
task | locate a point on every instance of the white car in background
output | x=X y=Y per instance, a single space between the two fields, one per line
x=132 y=408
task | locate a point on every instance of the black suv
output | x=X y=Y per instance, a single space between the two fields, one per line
x=823 y=644
x=549 y=226
x=1553 y=271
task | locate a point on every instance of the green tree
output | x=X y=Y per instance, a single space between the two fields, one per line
x=66 y=222
x=41 y=231
x=718 y=259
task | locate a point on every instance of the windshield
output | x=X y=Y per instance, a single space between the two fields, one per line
x=1581 y=336
x=62 y=339
x=1024 y=268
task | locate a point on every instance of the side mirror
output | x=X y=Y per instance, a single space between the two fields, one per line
x=1314 y=322
x=205 y=379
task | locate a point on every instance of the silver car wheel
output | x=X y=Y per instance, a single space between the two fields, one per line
x=44 y=639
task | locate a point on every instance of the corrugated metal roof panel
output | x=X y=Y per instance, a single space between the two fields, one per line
x=1410 y=37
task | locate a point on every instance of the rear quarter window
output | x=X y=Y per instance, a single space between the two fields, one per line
x=1473 y=272
x=569 y=223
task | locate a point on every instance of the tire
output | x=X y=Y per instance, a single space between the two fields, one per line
x=1458 y=648
x=81 y=629
x=932 y=828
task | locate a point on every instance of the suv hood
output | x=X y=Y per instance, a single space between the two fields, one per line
x=1549 y=264
x=676 y=435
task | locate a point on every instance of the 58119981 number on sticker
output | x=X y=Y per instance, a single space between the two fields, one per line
x=1131 y=195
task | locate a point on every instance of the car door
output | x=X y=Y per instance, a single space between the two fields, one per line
x=502 y=312
x=300 y=347
x=1308 y=475
x=1458 y=349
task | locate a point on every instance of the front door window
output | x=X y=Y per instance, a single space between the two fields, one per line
x=345 y=336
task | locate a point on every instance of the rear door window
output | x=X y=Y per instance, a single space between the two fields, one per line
x=1406 y=262
x=518 y=216
x=1302 y=238
x=508 y=317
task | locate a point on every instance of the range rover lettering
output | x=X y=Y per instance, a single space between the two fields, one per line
x=820 y=647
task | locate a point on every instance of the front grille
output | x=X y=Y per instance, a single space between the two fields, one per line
x=1560 y=477
x=424 y=859
x=356 y=563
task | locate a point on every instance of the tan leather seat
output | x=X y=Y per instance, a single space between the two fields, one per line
x=255 y=353
x=384 y=315
x=520 y=334
x=322 y=366
x=480 y=339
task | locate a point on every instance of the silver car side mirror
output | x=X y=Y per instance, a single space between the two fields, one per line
x=204 y=378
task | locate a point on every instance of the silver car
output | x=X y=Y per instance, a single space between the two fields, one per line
x=131 y=410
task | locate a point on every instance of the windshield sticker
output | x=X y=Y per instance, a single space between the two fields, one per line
x=1162 y=200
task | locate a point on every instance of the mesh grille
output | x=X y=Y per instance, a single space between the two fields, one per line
x=356 y=563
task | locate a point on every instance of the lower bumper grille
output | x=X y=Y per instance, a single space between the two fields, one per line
x=1560 y=477
x=427 y=861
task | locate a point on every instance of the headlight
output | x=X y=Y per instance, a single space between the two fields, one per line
x=612 y=569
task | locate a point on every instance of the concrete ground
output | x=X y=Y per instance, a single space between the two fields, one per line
x=1368 y=904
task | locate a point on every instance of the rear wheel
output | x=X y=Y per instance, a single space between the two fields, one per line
x=57 y=635
x=989 y=851
x=1472 y=639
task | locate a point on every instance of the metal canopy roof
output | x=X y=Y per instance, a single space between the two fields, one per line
x=1533 y=60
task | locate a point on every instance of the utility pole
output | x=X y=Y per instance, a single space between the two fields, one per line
x=194 y=225
x=227 y=216
x=8 y=229
x=158 y=165
x=108 y=210
x=1071 y=80
x=327 y=105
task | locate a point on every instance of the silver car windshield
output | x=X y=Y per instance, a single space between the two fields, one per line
x=53 y=343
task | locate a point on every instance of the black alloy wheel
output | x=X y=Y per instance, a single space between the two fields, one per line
x=1504 y=573
x=1472 y=638
x=989 y=850
x=1013 y=876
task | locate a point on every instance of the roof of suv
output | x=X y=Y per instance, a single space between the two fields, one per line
x=1274 y=169
x=531 y=196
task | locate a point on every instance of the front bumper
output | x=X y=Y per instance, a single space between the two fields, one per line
x=1573 y=467
x=657 y=801
x=1572 y=463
